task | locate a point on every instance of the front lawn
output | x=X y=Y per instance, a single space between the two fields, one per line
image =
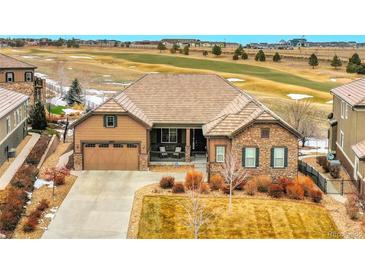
x=58 y=110
x=257 y=218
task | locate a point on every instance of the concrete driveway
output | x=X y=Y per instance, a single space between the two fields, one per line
x=99 y=204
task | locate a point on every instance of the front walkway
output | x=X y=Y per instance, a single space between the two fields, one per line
x=18 y=161
x=99 y=204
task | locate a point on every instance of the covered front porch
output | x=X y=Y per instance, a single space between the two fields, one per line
x=174 y=144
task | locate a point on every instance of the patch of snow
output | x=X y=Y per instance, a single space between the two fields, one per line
x=106 y=75
x=235 y=80
x=49 y=216
x=94 y=99
x=48 y=59
x=57 y=101
x=42 y=75
x=317 y=146
x=68 y=111
x=295 y=96
x=69 y=68
x=329 y=102
x=54 y=209
x=118 y=84
x=131 y=66
x=29 y=195
x=28 y=56
x=40 y=182
x=80 y=57
x=333 y=79
x=16 y=50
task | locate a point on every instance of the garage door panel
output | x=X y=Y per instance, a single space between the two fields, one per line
x=111 y=156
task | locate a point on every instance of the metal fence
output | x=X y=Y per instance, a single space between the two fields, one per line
x=327 y=185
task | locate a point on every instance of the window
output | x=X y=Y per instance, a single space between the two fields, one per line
x=8 y=127
x=110 y=121
x=342 y=138
x=118 y=145
x=344 y=110
x=265 y=133
x=220 y=152
x=9 y=77
x=169 y=135
x=15 y=118
x=28 y=77
x=250 y=157
x=279 y=157
x=90 y=145
x=131 y=145
x=104 y=145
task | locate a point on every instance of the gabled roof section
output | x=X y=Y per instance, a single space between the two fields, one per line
x=110 y=106
x=359 y=149
x=8 y=62
x=113 y=106
x=353 y=93
x=232 y=121
x=9 y=100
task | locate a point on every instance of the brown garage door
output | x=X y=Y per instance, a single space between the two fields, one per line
x=111 y=156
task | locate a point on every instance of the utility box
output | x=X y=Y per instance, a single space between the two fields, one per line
x=12 y=153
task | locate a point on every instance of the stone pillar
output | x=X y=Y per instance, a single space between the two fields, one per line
x=77 y=161
x=143 y=161
x=187 y=146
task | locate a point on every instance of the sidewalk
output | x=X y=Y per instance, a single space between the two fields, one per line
x=19 y=160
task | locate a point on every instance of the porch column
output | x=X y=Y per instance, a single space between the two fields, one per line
x=187 y=146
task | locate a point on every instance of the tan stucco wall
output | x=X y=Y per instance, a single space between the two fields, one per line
x=128 y=129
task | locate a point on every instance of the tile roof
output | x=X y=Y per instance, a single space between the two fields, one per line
x=10 y=62
x=181 y=98
x=359 y=149
x=353 y=93
x=10 y=100
x=200 y=99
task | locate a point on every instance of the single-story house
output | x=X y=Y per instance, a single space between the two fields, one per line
x=184 y=118
x=13 y=121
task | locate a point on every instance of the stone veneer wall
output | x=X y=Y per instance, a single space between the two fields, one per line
x=77 y=161
x=251 y=137
x=143 y=161
x=26 y=88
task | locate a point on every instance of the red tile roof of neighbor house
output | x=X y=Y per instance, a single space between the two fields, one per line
x=10 y=62
x=353 y=93
x=207 y=100
x=9 y=100
x=359 y=149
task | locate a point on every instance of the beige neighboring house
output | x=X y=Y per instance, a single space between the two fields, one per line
x=185 y=118
x=13 y=121
x=347 y=127
x=19 y=76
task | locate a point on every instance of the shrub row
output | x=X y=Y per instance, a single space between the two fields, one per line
x=300 y=187
x=34 y=216
x=36 y=153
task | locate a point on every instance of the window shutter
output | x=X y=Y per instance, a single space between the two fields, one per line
x=257 y=157
x=115 y=120
x=243 y=157
x=286 y=157
x=272 y=157
x=104 y=120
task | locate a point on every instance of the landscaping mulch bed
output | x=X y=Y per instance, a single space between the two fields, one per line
x=39 y=194
x=171 y=168
x=350 y=229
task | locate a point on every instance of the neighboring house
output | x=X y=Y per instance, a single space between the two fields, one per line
x=13 y=121
x=19 y=76
x=184 y=118
x=347 y=127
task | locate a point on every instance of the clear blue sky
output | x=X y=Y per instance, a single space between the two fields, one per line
x=243 y=39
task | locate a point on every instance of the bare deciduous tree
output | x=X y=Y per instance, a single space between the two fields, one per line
x=197 y=212
x=301 y=115
x=61 y=78
x=232 y=173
